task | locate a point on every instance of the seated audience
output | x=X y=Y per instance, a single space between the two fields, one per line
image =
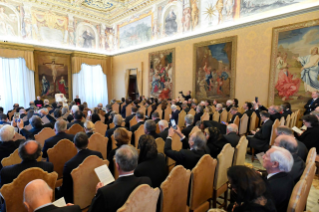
x=95 y=117
x=310 y=136
x=59 y=128
x=229 y=104
x=151 y=163
x=175 y=113
x=108 y=109
x=140 y=120
x=150 y=128
x=129 y=118
x=37 y=197
x=77 y=119
x=232 y=136
x=278 y=163
x=163 y=126
x=36 y=124
x=29 y=152
x=198 y=115
x=186 y=157
x=286 y=109
x=112 y=196
x=156 y=117
x=81 y=142
x=215 y=141
x=117 y=120
x=235 y=113
x=74 y=109
x=77 y=100
x=219 y=108
x=274 y=113
x=185 y=107
x=189 y=121
x=247 y=107
x=89 y=128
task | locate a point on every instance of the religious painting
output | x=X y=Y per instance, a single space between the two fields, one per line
x=9 y=20
x=215 y=69
x=162 y=74
x=294 y=63
x=136 y=32
x=53 y=75
x=172 y=18
x=87 y=36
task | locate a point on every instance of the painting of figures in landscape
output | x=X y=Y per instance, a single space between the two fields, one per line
x=161 y=74
x=8 y=22
x=214 y=69
x=294 y=68
x=53 y=75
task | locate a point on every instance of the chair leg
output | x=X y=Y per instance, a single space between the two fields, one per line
x=252 y=154
x=225 y=200
x=214 y=198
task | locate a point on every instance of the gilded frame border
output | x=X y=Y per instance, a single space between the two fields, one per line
x=274 y=49
x=173 y=74
x=233 y=40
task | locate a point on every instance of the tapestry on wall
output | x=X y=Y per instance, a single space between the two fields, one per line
x=215 y=69
x=53 y=75
x=162 y=74
x=294 y=63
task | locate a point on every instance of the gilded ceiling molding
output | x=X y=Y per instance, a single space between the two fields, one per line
x=16 y=46
x=89 y=55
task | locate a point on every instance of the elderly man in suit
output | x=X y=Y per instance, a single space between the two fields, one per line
x=112 y=196
x=77 y=119
x=150 y=128
x=81 y=143
x=189 y=121
x=175 y=113
x=235 y=113
x=156 y=117
x=163 y=126
x=278 y=163
x=274 y=113
x=312 y=103
x=59 y=128
x=232 y=136
x=198 y=115
x=117 y=120
x=128 y=118
x=140 y=120
x=37 y=197
x=247 y=107
x=36 y=124
x=29 y=151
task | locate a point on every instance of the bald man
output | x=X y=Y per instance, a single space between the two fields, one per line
x=29 y=151
x=37 y=197
x=290 y=143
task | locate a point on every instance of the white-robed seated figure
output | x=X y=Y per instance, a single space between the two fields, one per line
x=59 y=97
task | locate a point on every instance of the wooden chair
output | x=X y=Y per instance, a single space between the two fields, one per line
x=216 y=116
x=114 y=141
x=243 y=125
x=287 y=123
x=308 y=175
x=100 y=127
x=11 y=114
x=116 y=172
x=98 y=142
x=18 y=136
x=13 y=192
x=111 y=125
x=311 y=157
x=116 y=107
x=223 y=116
x=240 y=152
x=253 y=119
x=138 y=133
x=176 y=145
x=292 y=120
x=142 y=109
x=143 y=198
x=192 y=111
x=201 y=185
x=157 y=128
x=74 y=129
x=61 y=153
x=85 y=180
x=43 y=135
x=14 y=158
x=128 y=110
x=229 y=116
x=282 y=121
x=168 y=111
x=296 y=202
x=160 y=112
x=133 y=121
x=160 y=145
x=205 y=117
x=213 y=108
x=275 y=125
x=224 y=161
x=102 y=117
x=236 y=121
x=175 y=185
x=149 y=110
x=181 y=119
x=194 y=130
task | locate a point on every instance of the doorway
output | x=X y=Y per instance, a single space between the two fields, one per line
x=132 y=89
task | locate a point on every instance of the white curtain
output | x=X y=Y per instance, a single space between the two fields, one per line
x=17 y=83
x=90 y=84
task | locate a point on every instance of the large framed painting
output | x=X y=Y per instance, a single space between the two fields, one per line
x=215 y=69
x=162 y=74
x=294 y=67
x=53 y=75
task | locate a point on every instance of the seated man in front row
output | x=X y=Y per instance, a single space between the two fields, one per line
x=113 y=196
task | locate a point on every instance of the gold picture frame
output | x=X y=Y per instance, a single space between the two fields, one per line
x=231 y=72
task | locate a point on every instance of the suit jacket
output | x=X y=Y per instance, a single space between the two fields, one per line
x=9 y=173
x=156 y=121
x=234 y=116
x=53 y=208
x=106 y=120
x=155 y=169
x=69 y=118
x=185 y=157
x=187 y=97
x=123 y=111
x=67 y=186
x=232 y=138
x=164 y=134
x=30 y=134
x=75 y=122
x=311 y=106
x=133 y=129
x=187 y=130
x=275 y=116
x=154 y=135
x=302 y=151
x=297 y=168
x=7 y=148
x=286 y=113
x=248 y=112
x=109 y=134
x=260 y=140
x=113 y=196
x=175 y=116
x=127 y=121
x=280 y=186
x=50 y=142
x=197 y=117
x=310 y=138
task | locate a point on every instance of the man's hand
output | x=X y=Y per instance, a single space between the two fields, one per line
x=69 y=204
x=171 y=132
x=98 y=186
x=20 y=124
x=13 y=123
x=253 y=132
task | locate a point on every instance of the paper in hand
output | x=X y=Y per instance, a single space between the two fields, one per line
x=104 y=174
x=297 y=130
x=60 y=202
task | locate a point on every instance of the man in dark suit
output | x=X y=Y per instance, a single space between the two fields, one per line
x=150 y=128
x=163 y=126
x=77 y=119
x=37 y=197
x=189 y=121
x=128 y=118
x=77 y=100
x=113 y=196
x=123 y=111
x=278 y=162
x=198 y=115
x=229 y=104
x=247 y=107
x=235 y=113
x=36 y=124
x=260 y=139
x=286 y=109
x=274 y=113
x=232 y=136
x=312 y=103
x=4 y=119
x=175 y=113
x=140 y=120
x=59 y=128
x=7 y=144
x=185 y=107
x=81 y=142
x=108 y=114
x=38 y=102
x=29 y=151
x=188 y=96
x=186 y=157
x=16 y=108
x=290 y=144
x=156 y=117
x=117 y=120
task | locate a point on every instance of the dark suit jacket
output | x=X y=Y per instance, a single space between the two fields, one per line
x=280 y=186
x=113 y=196
x=310 y=138
x=69 y=118
x=185 y=157
x=7 y=148
x=302 y=151
x=248 y=112
x=261 y=139
x=164 y=134
x=106 y=120
x=234 y=116
x=275 y=116
x=67 y=186
x=133 y=129
x=155 y=169
x=50 y=142
x=109 y=134
x=123 y=111
x=75 y=122
x=232 y=138
x=9 y=173
x=30 y=134
x=186 y=130
x=297 y=169
x=197 y=117
x=187 y=97
x=175 y=116
x=286 y=113
x=53 y=208
x=127 y=121
x=154 y=135
x=311 y=106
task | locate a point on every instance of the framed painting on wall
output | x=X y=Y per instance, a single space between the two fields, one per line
x=294 y=64
x=162 y=74
x=53 y=75
x=215 y=69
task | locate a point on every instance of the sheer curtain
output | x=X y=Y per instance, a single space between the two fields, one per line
x=17 y=83
x=90 y=84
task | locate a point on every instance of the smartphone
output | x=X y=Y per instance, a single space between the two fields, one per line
x=17 y=117
x=173 y=123
x=256 y=99
x=223 y=122
x=89 y=113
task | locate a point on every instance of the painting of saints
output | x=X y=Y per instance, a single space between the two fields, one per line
x=62 y=85
x=170 y=23
x=195 y=13
x=45 y=86
x=6 y=23
x=54 y=68
x=87 y=39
